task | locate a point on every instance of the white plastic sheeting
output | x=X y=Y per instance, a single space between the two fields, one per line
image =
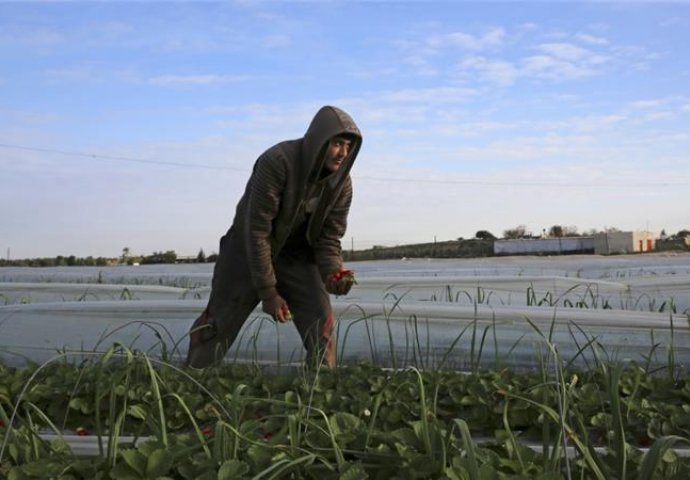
x=458 y=313
x=398 y=334
x=638 y=293
x=27 y=292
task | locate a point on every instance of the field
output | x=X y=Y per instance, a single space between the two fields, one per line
x=572 y=367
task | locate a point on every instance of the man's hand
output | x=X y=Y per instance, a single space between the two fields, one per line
x=340 y=282
x=278 y=308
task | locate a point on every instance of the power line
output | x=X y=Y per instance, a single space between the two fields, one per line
x=367 y=178
x=126 y=159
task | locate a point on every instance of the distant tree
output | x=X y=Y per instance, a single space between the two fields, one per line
x=201 y=257
x=160 y=257
x=518 y=232
x=683 y=233
x=125 y=254
x=555 y=231
x=570 y=231
x=484 y=235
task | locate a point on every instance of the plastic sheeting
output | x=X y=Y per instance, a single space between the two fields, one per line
x=456 y=313
x=27 y=292
x=387 y=334
x=640 y=293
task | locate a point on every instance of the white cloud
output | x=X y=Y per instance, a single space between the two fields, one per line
x=593 y=123
x=492 y=38
x=549 y=67
x=210 y=79
x=658 y=115
x=42 y=39
x=591 y=39
x=644 y=104
x=564 y=51
x=499 y=72
x=428 y=95
x=277 y=41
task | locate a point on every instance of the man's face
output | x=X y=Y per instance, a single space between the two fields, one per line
x=337 y=151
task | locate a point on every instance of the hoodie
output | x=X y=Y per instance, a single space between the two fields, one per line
x=284 y=178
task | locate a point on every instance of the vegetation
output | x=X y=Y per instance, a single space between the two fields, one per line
x=153 y=419
x=450 y=249
x=480 y=246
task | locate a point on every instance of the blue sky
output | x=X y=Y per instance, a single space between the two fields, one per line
x=136 y=124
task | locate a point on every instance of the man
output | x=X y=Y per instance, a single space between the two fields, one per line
x=283 y=248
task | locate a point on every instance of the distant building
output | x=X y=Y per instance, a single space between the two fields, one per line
x=624 y=242
x=544 y=246
x=600 y=244
x=672 y=244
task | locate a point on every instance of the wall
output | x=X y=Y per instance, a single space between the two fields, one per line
x=624 y=242
x=544 y=246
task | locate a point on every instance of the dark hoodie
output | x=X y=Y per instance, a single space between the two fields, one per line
x=284 y=178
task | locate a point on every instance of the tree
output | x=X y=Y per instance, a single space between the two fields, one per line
x=160 y=257
x=484 y=235
x=570 y=231
x=125 y=254
x=518 y=232
x=556 y=231
x=201 y=257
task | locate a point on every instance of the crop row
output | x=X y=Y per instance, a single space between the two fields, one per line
x=353 y=422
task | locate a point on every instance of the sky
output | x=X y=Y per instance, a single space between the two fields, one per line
x=136 y=124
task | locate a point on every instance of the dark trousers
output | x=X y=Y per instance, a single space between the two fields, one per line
x=233 y=299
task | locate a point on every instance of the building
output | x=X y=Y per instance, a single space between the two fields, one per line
x=599 y=244
x=544 y=246
x=624 y=242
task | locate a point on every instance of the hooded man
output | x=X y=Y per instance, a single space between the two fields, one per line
x=283 y=248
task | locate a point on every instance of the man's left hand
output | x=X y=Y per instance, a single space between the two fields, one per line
x=340 y=282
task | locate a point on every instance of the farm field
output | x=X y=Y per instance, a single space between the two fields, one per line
x=514 y=367
x=426 y=309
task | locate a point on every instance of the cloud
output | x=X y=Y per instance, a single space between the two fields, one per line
x=546 y=66
x=197 y=80
x=277 y=41
x=564 y=51
x=500 y=72
x=421 y=53
x=495 y=56
x=491 y=39
x=42 y=39
x=644 y=104
x=591 y=39
x=658 y=115
x=428 y=95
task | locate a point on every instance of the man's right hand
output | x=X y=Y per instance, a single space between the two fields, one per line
x=278 y=308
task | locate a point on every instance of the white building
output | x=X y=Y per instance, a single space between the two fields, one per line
x=540 y=246
x=624 y=242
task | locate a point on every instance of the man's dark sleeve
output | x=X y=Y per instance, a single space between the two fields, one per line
x=328 y=249
x=267 y=183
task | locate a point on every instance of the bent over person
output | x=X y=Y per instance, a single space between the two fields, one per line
x=283 y=248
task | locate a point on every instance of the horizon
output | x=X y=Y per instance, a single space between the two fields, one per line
x=186 y=256
x=136 y=124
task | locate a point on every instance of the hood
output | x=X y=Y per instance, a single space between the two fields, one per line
x=328 y=122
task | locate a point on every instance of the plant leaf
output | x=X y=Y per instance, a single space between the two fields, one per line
x=159 y=463
x=135 y=460
x=232 y=469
